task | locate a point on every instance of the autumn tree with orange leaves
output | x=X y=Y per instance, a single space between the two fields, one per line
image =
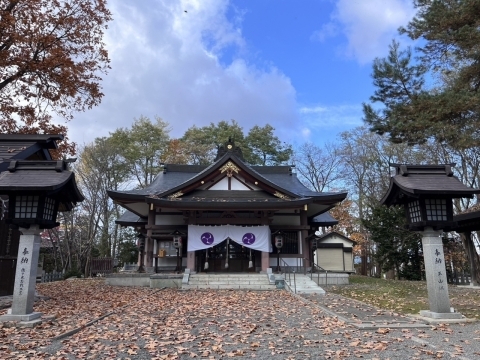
x=52 y=57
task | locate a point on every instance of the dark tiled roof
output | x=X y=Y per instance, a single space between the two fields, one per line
x=194 y=169
x=230 y=195
x=272 y=169
x=161 y=183
x=292 y=184
x=176 y=178
x=164 y=182
x=220 y=162
x=130 y=219
x=324 y=219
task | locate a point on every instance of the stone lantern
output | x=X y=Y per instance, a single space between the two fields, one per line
x=37 y=190
x=278 y=244
x=426 y=192
x=141 y=251
x=177 y=244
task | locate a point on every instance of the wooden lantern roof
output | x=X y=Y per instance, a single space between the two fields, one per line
x=416 y=181
x=43 y=176
x=26 y=146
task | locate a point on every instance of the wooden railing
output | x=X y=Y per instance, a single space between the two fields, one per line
x=49 y=277
x=101 y=266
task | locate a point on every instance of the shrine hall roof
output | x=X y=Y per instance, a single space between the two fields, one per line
x=176 y=175
x=185 y=186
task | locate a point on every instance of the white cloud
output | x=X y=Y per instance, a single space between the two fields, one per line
x=369 y=26
x=312 y=110
x=167 y=61
x=330 y=119
x=327 y=30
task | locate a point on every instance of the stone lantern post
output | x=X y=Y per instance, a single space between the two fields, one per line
x=37 y=190
x=426 y=192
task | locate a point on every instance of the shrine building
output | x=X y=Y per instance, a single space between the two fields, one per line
x=227 y=215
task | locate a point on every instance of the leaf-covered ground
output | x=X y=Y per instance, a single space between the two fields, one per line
x=145 y=323
x=406 y=297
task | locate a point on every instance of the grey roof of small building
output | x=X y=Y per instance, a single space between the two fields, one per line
x=326 y=236
x=416 y=180
x=324 y=219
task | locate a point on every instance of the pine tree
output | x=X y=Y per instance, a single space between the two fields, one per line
x=413 y=109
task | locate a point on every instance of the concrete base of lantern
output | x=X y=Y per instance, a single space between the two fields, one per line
x=435 y=315
x=24 y=320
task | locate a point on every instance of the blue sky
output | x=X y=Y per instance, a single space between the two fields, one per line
x=302 y=66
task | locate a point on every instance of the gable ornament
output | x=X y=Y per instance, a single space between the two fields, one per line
x=281 y=196
x=229 y=168
x=175 y=196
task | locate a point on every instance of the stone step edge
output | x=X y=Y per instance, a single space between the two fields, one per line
x=216 y=282
x=228 y=287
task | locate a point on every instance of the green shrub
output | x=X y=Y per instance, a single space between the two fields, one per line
x=72 y=273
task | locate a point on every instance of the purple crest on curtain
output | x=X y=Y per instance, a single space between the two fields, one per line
x=248 y=239
x=207 y=238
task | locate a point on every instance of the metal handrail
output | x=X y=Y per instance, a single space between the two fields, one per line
x=318 y=269
x=289 y=270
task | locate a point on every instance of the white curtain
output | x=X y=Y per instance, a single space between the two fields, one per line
x=253 y=237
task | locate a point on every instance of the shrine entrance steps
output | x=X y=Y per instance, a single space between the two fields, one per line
x=302 y=284
x=239 y=281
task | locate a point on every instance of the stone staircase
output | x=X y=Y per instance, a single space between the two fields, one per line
x=303 y=285
x=246 y=281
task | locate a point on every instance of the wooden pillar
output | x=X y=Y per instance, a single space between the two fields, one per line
x=149 y=240
x=139 y=260
x=265 y=260
x=191 y=261
x=191 y=258
x=471 y=252
x=305 y=243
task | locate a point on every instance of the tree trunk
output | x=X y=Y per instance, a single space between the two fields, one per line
x=473 y=258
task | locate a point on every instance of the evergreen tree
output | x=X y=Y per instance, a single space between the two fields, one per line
x=450 y=54
x=265 y=148
x=397 y=248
